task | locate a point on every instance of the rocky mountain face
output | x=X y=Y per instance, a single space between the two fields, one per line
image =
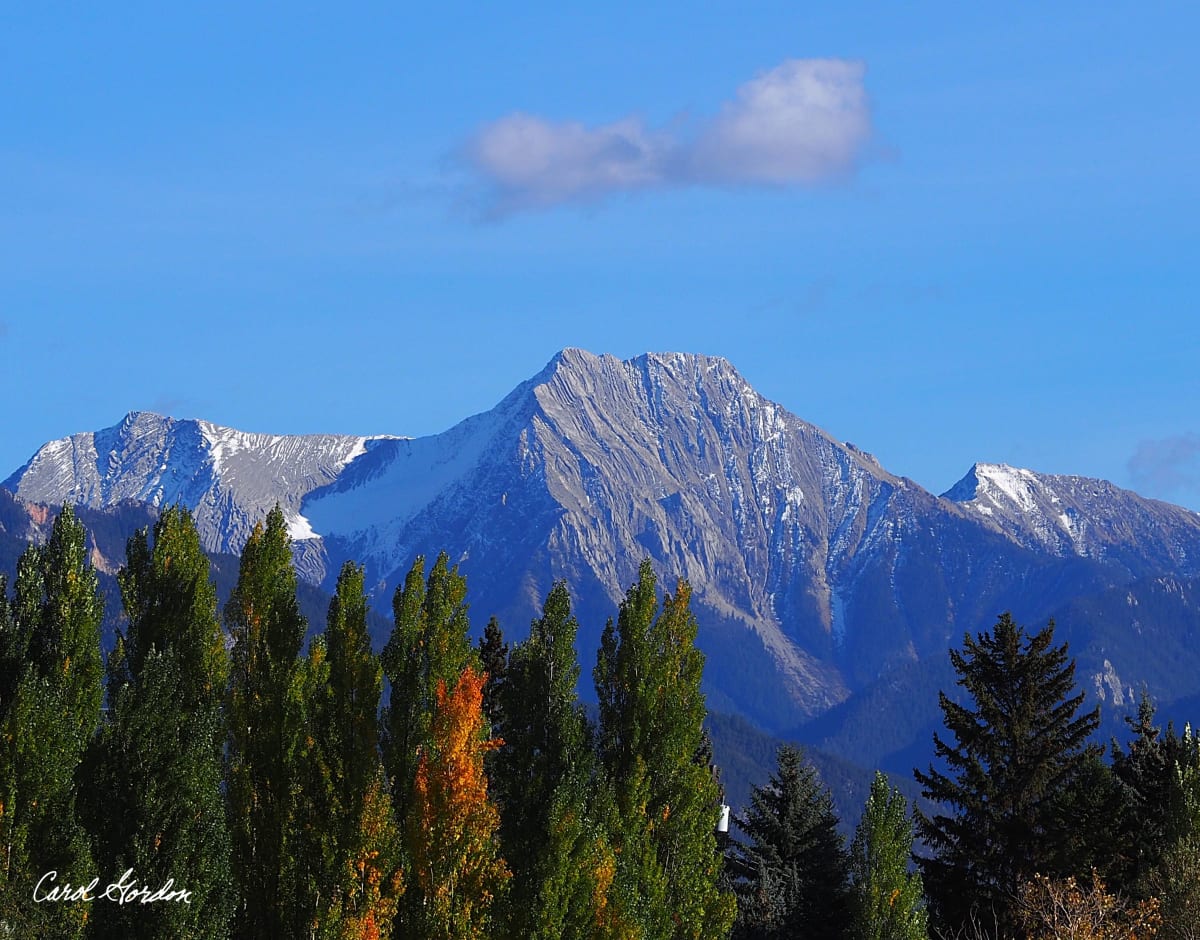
x=1070 y=515
x=820 y=580
x=228 y=479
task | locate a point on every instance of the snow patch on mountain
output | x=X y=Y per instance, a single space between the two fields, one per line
x=229 y=479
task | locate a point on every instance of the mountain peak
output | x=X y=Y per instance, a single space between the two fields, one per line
x=575 y=359
x=993 y=479
x=1072 y=515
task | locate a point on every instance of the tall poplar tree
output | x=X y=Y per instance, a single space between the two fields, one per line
x=50 y=693
x=265 y=716
x=1018 y=744
x=888 y=901
x=553 y=826
x=154 y=798
x=429 y=647
x=350 y=862
x=457 y=874
x=648 y=674
x=307 y=880
x=429 y=643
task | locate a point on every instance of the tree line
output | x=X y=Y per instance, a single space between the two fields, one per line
x=213 y=777
x=1029 y=833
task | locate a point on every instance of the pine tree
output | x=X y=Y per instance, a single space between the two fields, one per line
x=452 y=832
x=154 y=799
x=264 y=720
x=50 y=692
x=648 y=676
x=887 y=899
x=1092 y=814
x=1174 y=878
x=1152 y=797
x=792 y=874
x=1016 y=747
x=493 y=659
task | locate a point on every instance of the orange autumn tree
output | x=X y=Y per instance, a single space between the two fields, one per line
x=452 y=829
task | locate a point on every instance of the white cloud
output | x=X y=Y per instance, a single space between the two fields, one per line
x=803 y=122
x=530 y=162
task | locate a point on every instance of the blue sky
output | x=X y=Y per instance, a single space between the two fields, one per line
x=945 y=232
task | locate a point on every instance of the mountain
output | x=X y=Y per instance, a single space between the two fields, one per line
x=1070 y=515
x=827 y=588
x=228 y=479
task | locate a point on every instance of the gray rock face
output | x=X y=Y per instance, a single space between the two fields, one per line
x=1070 y=515
x=228 y=479
x=815 y=572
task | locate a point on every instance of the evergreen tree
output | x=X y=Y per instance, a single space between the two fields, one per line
x=887 y=899
x=1017 y=746
x=792 y=875
x=1152 y=807
x=50 y=692
x=493 y=659
x=648 y=676
x=154 y=799
x=1092 y=815
x=452 y=833
x=265 y=721
x=1175 y=878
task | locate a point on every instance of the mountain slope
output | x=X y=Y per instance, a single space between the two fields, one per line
x=810 y=563
x=1071 y=515
x=818 y=577
x=229 y=479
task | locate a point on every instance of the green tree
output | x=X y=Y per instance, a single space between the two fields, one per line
x=887 y=899
x=309 y=865
x=429 y=642
x=578 y=895
x=264 y=719
x=493 y=659
x=648 y=675
x=50 y=693
x=552 y=836
x=353 y=857
x=1153 y=812
x=429 y=645
x=792 y=875
x=154 y=799
x=1175 y=877
x=1018 y=744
